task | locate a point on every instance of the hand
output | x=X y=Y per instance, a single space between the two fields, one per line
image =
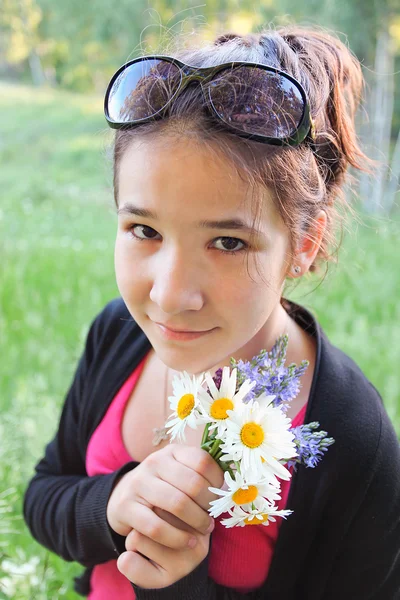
x=174 y=479
x=149 y=564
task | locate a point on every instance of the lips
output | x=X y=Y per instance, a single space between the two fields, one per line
x=181 y=335
x=175 y=330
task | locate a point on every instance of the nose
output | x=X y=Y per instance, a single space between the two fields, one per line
x=176 y=283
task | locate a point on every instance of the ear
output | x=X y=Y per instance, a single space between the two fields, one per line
x=308 y=246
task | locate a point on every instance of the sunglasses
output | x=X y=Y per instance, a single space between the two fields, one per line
x=253 y=100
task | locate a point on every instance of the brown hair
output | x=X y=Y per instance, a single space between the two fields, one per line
x=303 y=181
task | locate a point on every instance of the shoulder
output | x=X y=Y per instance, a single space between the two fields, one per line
x=115 y=344
x=351 y=409
x=112 y=321
x=113 y=314
x=341 y=394
x=113 y=334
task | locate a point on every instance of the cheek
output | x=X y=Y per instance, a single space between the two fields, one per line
x=248 y=297
x=128 y=273
x=252 y=297
x=120 y=263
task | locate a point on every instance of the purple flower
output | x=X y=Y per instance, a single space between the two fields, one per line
x=271 y=375
x=310 y=444
x=218 y=378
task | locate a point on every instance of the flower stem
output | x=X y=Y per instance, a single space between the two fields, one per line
x=205 y=434
x=226 y=467
x=218 y=454
x=231 y=473
x=206 y=446
x=215 y=446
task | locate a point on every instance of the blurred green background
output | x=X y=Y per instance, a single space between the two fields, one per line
x=57 y=219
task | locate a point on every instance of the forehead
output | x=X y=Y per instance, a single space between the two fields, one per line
x=188 y=178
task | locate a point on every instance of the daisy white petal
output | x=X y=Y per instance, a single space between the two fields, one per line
x=241 y=518
x=265 y=399
x=185 y=405
x=259 y=437
x=242 y=492
x=216 y=402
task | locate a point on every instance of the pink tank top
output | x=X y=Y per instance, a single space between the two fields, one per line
x=240 y=557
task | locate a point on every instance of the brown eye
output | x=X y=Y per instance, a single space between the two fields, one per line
x=229 y=245
x=143 y=232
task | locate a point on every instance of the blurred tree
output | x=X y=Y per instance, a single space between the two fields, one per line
x=81 y=42
x=93 y=34
x=19 y=23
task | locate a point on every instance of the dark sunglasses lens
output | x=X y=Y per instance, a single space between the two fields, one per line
x=142 y=90
x=257 y=101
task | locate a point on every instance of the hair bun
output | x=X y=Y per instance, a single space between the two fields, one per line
x=226 y=37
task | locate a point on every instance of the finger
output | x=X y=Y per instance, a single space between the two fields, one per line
x=188 y=481
x=174 y=521
x=159 y=554
x=166 y=516
x=140 y=571
x=165 y=496
x=200 y=461
x=171 y=564
x=144 y=520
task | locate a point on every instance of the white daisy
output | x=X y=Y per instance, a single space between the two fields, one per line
x=185 y=405
x=241 y=492
x=259 y=433
x=265 y=399
x=241 y=518
x=216 y=401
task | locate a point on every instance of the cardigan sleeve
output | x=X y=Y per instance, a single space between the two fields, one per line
x=64 y=508
x=368 y=566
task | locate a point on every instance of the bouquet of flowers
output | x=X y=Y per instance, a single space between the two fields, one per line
x=247 y=431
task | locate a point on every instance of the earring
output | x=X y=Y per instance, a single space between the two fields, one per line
x=297 y=269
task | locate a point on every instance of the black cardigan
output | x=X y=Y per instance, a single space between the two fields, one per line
x=342 y=541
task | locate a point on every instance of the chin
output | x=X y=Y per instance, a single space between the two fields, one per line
x=178 y=359
x=193 y=357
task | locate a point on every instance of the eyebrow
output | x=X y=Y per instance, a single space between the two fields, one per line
x=236 y=224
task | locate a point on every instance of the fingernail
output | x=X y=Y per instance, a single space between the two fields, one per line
x=192 y=542
x=211 y=526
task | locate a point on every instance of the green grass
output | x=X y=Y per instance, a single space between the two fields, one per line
x=56 y=244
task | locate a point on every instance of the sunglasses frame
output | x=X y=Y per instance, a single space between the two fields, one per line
x=305 y=130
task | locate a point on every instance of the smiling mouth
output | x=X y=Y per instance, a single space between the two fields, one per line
x=171 y=334
x=182 y=330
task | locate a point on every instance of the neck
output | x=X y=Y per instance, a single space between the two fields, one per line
x=276 y=325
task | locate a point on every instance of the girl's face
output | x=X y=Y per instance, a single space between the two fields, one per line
x=180 y=256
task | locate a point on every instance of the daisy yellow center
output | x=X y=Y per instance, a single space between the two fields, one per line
x=219 y=407
x=242 y=496
x=252 y=435
x=256 y=521
x=185 y=406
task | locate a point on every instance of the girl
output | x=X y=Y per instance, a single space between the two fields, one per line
x=227 y=179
